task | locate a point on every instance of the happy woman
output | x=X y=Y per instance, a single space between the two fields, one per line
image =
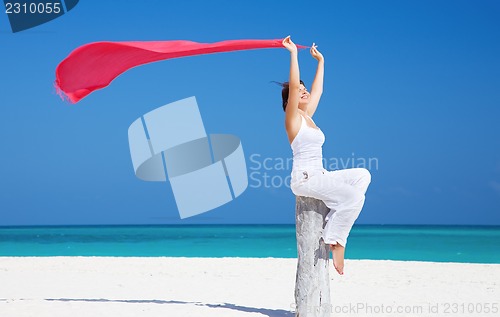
x=343 y=191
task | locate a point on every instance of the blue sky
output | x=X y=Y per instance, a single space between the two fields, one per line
x=411 y=84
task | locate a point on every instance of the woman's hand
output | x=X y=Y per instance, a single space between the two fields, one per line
x=316 y=54
x=289 y=45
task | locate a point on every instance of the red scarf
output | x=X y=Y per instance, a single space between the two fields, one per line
x=93 y=66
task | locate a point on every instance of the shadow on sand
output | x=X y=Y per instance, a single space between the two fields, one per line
x=264 y=311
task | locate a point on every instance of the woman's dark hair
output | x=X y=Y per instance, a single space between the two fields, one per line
x=285 y=91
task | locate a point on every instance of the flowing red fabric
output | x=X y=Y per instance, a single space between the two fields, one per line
x=93 y=66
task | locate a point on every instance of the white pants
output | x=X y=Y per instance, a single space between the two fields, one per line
x=343 y=191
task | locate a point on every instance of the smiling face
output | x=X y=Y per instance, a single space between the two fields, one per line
x=304 y=97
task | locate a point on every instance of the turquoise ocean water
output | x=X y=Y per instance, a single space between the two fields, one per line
x=475 y=244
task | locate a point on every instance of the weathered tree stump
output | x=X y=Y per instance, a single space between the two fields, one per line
x=312 y=284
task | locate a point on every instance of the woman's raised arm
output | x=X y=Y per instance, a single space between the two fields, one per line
x=293 y=82
x=317 y=85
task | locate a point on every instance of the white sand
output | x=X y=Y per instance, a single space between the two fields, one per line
x=105 y=286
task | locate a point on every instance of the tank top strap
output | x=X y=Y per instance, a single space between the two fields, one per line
x=311 y=119
x=303 y=121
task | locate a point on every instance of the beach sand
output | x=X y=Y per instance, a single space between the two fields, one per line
x=162 y=286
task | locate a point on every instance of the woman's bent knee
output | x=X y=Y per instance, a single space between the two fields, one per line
x=367 y=175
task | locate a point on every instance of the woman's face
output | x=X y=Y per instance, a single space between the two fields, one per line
x=304 y=95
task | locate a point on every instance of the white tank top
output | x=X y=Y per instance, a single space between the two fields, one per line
x=307 y=148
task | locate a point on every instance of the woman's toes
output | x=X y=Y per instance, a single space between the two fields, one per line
x=340 y=270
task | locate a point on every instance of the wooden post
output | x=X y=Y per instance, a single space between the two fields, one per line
x=312 y=284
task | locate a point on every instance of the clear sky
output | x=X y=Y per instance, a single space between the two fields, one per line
x=413 y=87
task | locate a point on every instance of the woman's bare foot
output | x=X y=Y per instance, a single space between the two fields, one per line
x=338 y=257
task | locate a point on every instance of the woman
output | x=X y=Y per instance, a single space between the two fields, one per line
x=343 y=191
